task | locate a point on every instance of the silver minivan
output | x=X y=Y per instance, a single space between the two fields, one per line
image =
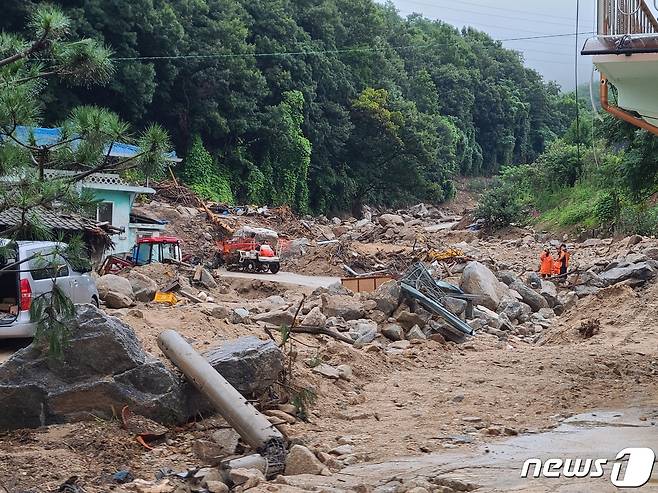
x=20 y=284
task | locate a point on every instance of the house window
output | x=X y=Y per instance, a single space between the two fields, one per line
x=104 y=212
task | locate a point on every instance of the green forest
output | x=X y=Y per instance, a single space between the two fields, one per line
x=323 y=105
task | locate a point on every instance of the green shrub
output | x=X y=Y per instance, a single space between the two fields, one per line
x=501 y=206
x=607 y=208
x=638 y=219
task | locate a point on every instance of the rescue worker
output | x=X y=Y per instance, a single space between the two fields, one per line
x=556 y=263
x=545 y=263
x=563 y=258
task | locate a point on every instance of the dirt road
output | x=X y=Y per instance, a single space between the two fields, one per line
x=285 y=278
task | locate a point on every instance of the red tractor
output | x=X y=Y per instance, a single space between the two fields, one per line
x=156 y=249
x=247 y=254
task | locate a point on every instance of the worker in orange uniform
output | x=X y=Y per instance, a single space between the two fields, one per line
x=545 y=263
x=562 y=261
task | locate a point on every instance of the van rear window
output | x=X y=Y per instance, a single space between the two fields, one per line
x=45 y=267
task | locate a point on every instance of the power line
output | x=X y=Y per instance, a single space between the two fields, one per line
x=516 y=11
x=543 y=21
x=319 y=52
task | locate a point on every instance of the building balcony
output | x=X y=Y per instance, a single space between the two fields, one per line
x=625 y=52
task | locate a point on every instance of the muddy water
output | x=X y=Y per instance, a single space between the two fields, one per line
x=497 y=466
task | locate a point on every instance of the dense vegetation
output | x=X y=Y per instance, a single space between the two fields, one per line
x=320 y=104
x=609 y=187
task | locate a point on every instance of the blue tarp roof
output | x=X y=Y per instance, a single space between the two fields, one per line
x=50 y=136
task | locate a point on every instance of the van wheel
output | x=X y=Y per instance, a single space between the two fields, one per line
x=95 y=302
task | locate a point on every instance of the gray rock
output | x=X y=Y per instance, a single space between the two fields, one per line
x=391 y=220
x=455 y=305
x=276 y=317
x=207 y=279
x=144 y=288
x=491 y=318
x=393 y=332
x=549 y=291
x=249 y=364
x=651 y=252
x=301 y=460
x=220 y=311
x=407 y=319
x=362 y=331
x=533 y=280
x=547 y=313
x=415 y=333
x=507 y=276
x=530 y=296
x=315 y=318
x=568 y=300
x=591 y=278
x=342 y=306
x=102 y=369
x=642 y=271
x=633 y=240
x=239 y=315
x=582 y=291
x=515 y=310
x=327 y=371
x=116 y=291
x=117 y=300
x=387 y=296
x=478 y=279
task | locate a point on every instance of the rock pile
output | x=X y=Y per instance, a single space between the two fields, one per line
x=104 y=368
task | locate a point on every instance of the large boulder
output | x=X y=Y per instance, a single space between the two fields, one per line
x=144 y=288
x=387 y=296
x=530 y=296
x=342 y=306
x=249 y=364
x=478 y=279
x=115 y=291
x=387 y=220
x=102 y=369
x=640 y=271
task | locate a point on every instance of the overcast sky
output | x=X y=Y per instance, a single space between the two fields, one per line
x=503 y=19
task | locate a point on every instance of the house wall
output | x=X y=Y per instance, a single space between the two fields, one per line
x=122 y=201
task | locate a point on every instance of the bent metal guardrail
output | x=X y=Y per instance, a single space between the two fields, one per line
x=619 y=17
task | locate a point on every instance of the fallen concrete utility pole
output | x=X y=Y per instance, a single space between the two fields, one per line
x=252 y=426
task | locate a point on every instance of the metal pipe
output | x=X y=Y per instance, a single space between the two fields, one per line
x=621 y=114
x=254 y=461
x=446 y=314
x=251 y=425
